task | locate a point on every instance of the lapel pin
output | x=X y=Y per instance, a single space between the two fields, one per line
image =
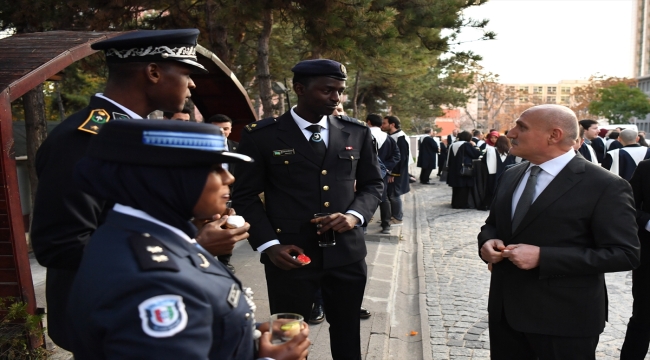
x=348 y=148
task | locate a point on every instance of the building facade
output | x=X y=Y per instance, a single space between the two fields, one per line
x=642 y=39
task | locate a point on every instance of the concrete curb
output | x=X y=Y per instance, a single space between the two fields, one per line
x=379 y=337
x=427 y=352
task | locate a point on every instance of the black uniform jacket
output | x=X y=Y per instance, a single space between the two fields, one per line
x=64 y=216
x=584 y=223
x=143 y=292
x=428 y=153
x=296 y=185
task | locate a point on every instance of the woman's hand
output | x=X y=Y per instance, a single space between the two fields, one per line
x=294 y=349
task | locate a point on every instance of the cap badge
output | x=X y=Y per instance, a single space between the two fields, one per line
x=343 y=70
x=163 y=316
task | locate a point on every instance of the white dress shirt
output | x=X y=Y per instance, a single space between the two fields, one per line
x=128 y=112
x=550 y=169
x=325 y=134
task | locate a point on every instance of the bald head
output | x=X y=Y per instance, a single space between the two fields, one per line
x=544 y=132
x=628 y=137
x=558 y=117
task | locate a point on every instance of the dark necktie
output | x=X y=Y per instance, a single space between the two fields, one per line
x=526 y=198
x=316 y=141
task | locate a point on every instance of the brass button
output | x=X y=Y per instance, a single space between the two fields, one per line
x=327 y=204
x=247 y=316
x=352 y=157
x=278 y=231
x=326 y=187
x=146 y=235
x=324 y=172
x=286 y=162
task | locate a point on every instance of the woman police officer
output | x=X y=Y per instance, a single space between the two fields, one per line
x=145 y=289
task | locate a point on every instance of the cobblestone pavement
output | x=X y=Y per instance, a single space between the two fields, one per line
x=457 y=282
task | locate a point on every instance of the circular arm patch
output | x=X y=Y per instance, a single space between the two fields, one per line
x=163 y=316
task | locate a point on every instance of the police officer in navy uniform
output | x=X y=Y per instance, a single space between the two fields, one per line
x=306 y=162
x=148 y=70
x=145 y=289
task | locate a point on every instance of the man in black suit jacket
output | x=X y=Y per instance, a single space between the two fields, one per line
x=300 y=177
x=427 y=155
x=547 y=292
x=637 y=336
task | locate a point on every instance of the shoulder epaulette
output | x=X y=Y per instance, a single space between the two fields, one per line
x=95 y=121
x=151 y=253
x=352 y=120
x=256 y=125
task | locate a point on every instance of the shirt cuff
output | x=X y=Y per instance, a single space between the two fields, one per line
x=647 y=226
x=358 y=216
x=267 y=245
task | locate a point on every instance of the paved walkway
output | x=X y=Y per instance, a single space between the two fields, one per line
x=457 y=282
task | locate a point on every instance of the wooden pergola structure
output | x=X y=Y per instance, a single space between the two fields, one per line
x=27 y=60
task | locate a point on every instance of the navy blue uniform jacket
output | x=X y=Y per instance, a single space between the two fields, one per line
x=113 y=318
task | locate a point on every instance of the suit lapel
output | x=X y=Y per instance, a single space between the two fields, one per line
x=292 y=135
x=510 y=187
x=567 y=178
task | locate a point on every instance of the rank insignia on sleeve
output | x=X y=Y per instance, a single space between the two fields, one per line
x=234 y=295
x=95 y=121
x=163 y=316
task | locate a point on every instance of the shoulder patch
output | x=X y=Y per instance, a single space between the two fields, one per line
x=256 y=125
x=151 y=253
x=163 y=316
x=352 y=120
x=95 y=121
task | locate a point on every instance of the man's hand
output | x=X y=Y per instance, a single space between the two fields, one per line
x=491 y=251
x=391 y=179
x=218 y=241
x=337 y=222
x=295 y=349
x=280 y=255
x=524 y=256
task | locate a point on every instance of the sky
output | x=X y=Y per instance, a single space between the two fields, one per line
x=545 y=41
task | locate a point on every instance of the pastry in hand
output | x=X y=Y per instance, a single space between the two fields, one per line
x=234 y=222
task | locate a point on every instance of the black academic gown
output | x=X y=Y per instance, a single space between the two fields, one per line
x=626 y=164
x=389 y=154
x=584 y=151
x=401 y=184
x=598 y=144
x=427 y=157
x=64 y=217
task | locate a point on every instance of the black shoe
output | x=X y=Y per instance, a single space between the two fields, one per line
x=317 y=315
x=230 y=267
x=385 y=230
x=364 y=313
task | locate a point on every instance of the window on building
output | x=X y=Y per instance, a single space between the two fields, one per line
x=538 y=89
x=566 y=90
x=565 y=100
x=550 y=99
x=523 y=89
x=523 y=99
x=551 y=90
